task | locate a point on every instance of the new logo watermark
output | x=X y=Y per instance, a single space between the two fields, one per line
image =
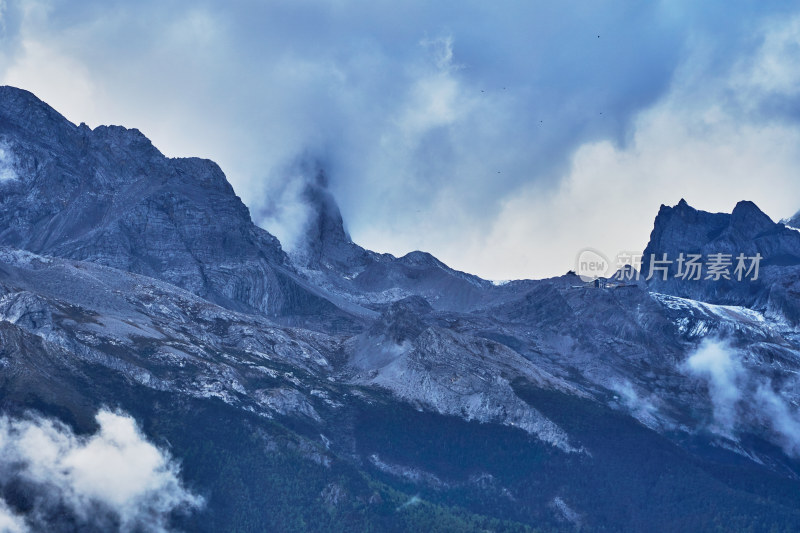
x=591 y=264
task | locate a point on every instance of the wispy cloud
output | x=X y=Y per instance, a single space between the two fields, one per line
x=742 y=398
x=113 y=479
x=715 y=362
x=784 y=420
x=642 y=406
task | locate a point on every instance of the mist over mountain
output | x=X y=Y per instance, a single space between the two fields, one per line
x=332 y=388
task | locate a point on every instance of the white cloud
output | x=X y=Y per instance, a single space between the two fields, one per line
x=112 y=476
x=703 y=141
x=771 y=68
x=11 y=522
x=741 y=398
x=642 y=407
x=697 y=143
x=289 y=215
x=716 y=363
x=784 y=420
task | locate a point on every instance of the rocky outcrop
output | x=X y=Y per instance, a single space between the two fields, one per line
x=109 y=196
x=747 y=230
x=793 y=222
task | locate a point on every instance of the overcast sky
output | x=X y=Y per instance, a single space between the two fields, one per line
x=501 y=137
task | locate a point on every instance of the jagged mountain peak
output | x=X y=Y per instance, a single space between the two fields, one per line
x=21 y=106
x=324 y=243
x=746 y=230
x=690 y=230
x=793 y=222
x=24 y=116
x=683 y=226
x=108 y=196
x=325 y=235
x=130 y=138
x=749 y=219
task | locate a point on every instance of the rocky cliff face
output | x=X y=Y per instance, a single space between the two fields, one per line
x=325 y=244
x=109 y=196
x=747 y=230
x=395 y=389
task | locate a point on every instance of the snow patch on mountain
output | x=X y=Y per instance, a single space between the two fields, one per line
x=7 y=163
x=698 y=319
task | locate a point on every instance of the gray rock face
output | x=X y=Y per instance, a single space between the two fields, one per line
x=747 y=230
x=108 y=196
x=329 y=259
x=326 y=244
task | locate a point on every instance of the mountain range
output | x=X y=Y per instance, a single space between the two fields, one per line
x=338 y=389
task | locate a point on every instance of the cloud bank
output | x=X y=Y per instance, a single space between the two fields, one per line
x=501 y=139
x=114 y=480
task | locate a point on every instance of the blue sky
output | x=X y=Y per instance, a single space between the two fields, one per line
x=501 y=137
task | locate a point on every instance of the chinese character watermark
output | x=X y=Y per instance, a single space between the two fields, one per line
x=592 y=264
